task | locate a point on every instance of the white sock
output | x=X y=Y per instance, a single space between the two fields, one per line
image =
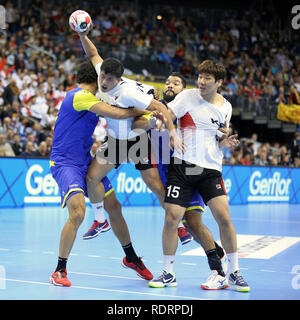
x=180 y=224
x=98 y=209
x=169 y=263
x=233 y=261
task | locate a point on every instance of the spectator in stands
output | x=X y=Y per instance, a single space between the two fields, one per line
x=30 y=138
x=42 y=150
x=247 y=159
x=6 y=148
x=38 y=133
x=10 y=93
x=261 y=157
x=296 y=162
x=49 y=142
x=16 y=145
x=29 y=149
x=246 y=46
x=7 y=125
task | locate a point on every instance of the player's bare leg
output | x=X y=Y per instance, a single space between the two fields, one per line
x=152 y=180
x=174 y=214
x=117 y=221
x=199 y=231
x=95 y=174
x=119 y=226
x=76 y=208
x=220 y=210
x=216 y=257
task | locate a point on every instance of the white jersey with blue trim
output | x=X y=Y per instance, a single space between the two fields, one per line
x=127 y=93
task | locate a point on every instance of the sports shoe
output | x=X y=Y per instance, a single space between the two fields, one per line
x=236 y=280
x=184 y=236
x=59 y=278
x=139 y=268
x=215 y=282
x=164 y=280
x=96 y=228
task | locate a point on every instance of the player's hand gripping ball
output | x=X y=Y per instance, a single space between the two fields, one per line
x=80 y=21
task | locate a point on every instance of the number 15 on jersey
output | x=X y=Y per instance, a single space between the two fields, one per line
x=173 y=191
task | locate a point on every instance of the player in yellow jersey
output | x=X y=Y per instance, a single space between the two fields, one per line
x=70 y=159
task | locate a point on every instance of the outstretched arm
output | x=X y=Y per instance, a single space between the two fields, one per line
x=109 y=111
x=149 y=121
x=89 y=48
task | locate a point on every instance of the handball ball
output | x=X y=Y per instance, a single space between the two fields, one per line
x=80 y=21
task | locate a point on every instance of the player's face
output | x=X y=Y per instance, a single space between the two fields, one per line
x=172 y=87
x=107 y=81
x=207 y=84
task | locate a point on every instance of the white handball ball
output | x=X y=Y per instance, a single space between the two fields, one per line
x=80 y=21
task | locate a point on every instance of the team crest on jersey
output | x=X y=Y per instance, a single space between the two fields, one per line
x=218 y=186
x=220 y=125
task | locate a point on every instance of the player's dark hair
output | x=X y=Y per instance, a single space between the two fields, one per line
x=180 y=76
x=86 y=73
x=213 y=68
x=113 y=66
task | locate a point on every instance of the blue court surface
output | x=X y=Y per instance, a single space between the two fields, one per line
x=268 y=239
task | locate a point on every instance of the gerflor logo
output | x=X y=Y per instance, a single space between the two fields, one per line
x=273 y=188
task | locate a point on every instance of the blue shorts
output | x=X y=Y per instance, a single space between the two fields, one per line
x=196 y=202
x=71 y=180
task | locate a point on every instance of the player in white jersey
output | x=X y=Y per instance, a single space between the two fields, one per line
x=216 y=256
x=122 y=144
x=200 y=113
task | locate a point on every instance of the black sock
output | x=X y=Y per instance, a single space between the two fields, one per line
x=130 y=253
x=214 y=261
x=220 y=250
x=61 y=264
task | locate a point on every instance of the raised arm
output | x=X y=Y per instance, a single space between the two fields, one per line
x=89 y=48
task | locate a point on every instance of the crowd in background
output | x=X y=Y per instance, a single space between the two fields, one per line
x=39 y=54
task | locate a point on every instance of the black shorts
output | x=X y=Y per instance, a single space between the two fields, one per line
x=184 y=178
x=136 y=150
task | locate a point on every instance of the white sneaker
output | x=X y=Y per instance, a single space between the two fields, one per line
x=215 y=282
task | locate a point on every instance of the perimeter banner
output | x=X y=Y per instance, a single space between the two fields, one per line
x=28 y=182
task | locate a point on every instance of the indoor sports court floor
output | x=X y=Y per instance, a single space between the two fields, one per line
x=269 y=247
